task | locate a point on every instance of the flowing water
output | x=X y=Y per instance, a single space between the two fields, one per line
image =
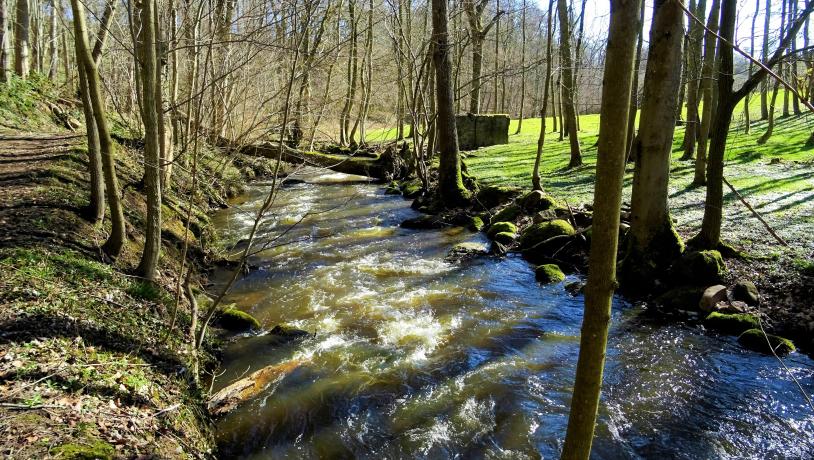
x=416 y=357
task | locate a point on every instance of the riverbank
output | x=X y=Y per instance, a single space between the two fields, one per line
x=88 y=365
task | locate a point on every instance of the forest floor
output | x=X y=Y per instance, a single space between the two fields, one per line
x=88 y=365
x=776 y=178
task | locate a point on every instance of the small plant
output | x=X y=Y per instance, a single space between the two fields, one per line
x=145 y=290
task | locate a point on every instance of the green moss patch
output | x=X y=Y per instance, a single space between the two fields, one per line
x=699 y=268
x=543 y=231
x=236 y=320
x=731 y=323
x=507 y=214
x=501 y=227
x=755 y=340
x=549 y=273
x=505 y=238
x=93 y=450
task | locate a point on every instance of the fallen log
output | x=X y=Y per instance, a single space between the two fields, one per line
x=246 y=388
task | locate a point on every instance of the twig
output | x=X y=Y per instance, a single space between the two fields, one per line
x=755 y=213
x=165 y=410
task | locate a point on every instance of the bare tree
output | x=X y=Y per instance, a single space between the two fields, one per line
x=535 y=175
x=477 y=34
x=5 y=50
x=21 y=39
x=567 y=66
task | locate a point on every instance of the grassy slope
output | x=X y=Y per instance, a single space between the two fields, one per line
x=84 y=350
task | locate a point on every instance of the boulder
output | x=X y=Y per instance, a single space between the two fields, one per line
x=575 y=287
x=755 y=340
x=681 y=298
x=235 y=320
x=731 y=323
x=411 y=188
x=735 y=306
x=712 y=295
x=699 y=268
x=475 y=224
x=543 y=231
x=288 y=332
x=746 y=291
x=501 y=227
x=536 y=200
x=424 y=222
x=543 y=216
x=505 y=238
x=392 y=189
x=468 y=250
x=494 y=195
x=507 y=214
x=549 y=273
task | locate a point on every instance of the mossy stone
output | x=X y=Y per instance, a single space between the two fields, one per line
x=236 y=320
x=509 y=213
x=411 y=188
x=95 y=450
x=475 y=224
x=700 y=268
x=501 y=227
x=536 y=200
x=549 y=273
x=731 y=323
x=538 y=233
x=424 y=222
x=754 y=340
x=495 y=195
x=392 y=189
x=747 y=292
x=681 y=298
x=505 y=238
x=288 y=332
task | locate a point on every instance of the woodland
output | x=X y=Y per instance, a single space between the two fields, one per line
x=406 y=229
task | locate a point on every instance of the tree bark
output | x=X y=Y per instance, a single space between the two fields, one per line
x=523 y=70
x=764 y=86
x=5 y=50
x=634 y=90
x=147 y=42
x=693 y=77
x=618 y=79
x=21 y=39
x=450 y=183
x=707 y=76
x=654 y=243
x=570 y=118
x=112 y=247
x=535 y=175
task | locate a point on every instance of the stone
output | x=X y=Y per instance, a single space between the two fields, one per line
x=735 y=306
x=508 y=214
x=549 y=273
x=711 y=296
x=575 y=287
x=501 y=227
x=543 y=216
x=476 y=131
x=734 y=324
x=235 y=320
x=746 y=291
x=699 y=268
x=424 y=222
x=411 y=188
x=681 y=298
x=490 y=196
x=475 y=224
x=755 y=340
x=536 y=200
x=538 y=233
x=505 y=238
x=468 y=250
x=288 y=332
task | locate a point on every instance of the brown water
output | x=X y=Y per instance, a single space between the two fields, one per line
x=414 y=357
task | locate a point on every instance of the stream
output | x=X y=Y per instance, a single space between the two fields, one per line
x=414 y=357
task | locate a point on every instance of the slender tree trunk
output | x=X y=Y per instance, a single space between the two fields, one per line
x=5 y=50
x=682 y=87
x=147 y=42
x=746 y=112
x=21 y=39
x=618 y=79
x=523 y=71
x=535 y=176
x=784 y=66
x=764 y=86
x=770 y=125
x=654 y=243
x=693 y=64
x=53 y=45
x=450 y=183
x=707 y=76
x=794 y=79
x=568 y=89
x=115 y=241
x=634 y=90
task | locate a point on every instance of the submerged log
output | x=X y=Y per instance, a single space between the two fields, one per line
x=246 y=388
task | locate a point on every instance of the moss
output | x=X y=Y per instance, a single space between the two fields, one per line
x=288 y=332
x=236 y=320
x=495 y=195
x=91 y=451
x=549 y=273
x=505 y=238
x=538 y=233
x=755 y=340
x=700 y=268
x=681 y=298
x=145 y=290
x=411 y=188
x=509 y=213
x=501 y=227
x=476 y=224
x=645 y=264
x=538 y=201
x=731 y=323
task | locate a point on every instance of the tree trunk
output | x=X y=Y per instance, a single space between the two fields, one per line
x=147 y=42
x=618 y=79
x=693 y=77
x=523 y=70
x=53 y=45
x=5 y=51
x=21 y=39
x=654 y=243
x=634 y=90
x=450 y=183
x=746 y=112
x=764 y=86
x=568 y=85
x=770 y=125
x=707 y=76
x=784 y=66
x=115 y=241
x=794 y=80
x=535 y=176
